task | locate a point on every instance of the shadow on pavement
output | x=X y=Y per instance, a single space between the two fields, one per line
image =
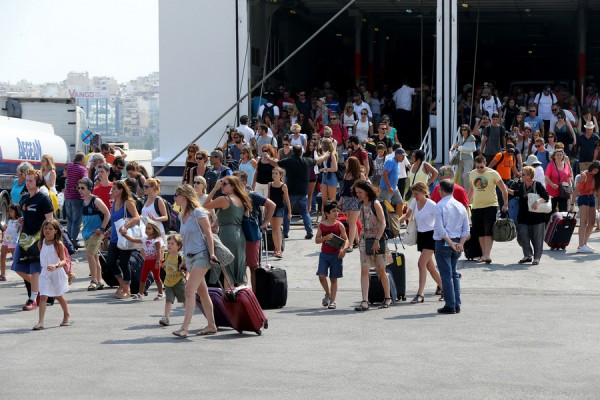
x=416 y=316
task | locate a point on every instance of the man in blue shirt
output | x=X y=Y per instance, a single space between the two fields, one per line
x=535 y=122
x=388 y=185
x=451 y=231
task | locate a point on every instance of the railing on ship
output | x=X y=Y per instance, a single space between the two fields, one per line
x=427 y=145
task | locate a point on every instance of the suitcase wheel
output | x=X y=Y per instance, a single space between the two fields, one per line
x=403 y=298
x=259 y=332
x=239 y=331
x=266 y=325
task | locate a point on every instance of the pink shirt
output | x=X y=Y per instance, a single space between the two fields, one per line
x=557 y=177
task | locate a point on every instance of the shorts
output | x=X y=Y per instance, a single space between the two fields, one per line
x=425 y=241
x=394 y=198
x=9 y=245
x=253 y=254
x=330 y=262
x=586 y=200
x=27 y=268
x=350 y=203
x=92 y=244
x=330 y=180
x=483 y=220
x=279 y=212
x=177 y=291
x=198 y=260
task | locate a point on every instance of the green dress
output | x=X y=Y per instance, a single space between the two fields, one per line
x=230 y=233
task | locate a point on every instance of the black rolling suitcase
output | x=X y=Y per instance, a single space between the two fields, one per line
x=376 y=293
x=398 y=270
x=472 y=247
x=268 y=243
x=560 y=230
x=107 y=275
x=271 y=285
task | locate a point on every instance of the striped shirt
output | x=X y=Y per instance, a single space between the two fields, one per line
x=75 y=172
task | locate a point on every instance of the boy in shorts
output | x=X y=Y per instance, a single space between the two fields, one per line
x=330 y=258
x=175 y=277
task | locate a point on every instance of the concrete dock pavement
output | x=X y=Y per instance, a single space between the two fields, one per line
x=524 y=332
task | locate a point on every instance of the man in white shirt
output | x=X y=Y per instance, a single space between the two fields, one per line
x=569 y=117
x=544 y=103
x=403 y=98
x=245 y=129
x=269 y=107
x=360 y=105
x=451 y=231
x=489 y=103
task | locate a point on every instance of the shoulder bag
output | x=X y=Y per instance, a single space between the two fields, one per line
x=136 y=231
x=250 y=228
x=223 y=254
x=565 y=190
x=370 y=241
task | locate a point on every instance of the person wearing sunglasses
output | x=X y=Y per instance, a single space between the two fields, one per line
x=482 y=190
x=493 y=139
x=534 y=121
x=190 y=161
x=201 y=159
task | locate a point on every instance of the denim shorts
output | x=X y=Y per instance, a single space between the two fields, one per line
x=198 y=260
x=586 y=200
x=330 y=262
x=279 y=212
x=27 y=268
x=332 y=180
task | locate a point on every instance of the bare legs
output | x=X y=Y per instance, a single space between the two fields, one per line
x=426 y=263
x=42 y=312
x=197 y=284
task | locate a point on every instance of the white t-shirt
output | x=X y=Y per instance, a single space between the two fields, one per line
x=544 y=103
x=149 y=247
x=425 y=217
x=275 y=110
x=302 y=141
x=362 y=130
x=247 y=131
x=403 y=97
x=493 y=105
x=362 y=106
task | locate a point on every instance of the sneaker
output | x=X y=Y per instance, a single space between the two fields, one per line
x=159 y=296
x=308 y=236
x=584 y=249
x=589 y=249
x=30 y=305
x=326 y=300
x=2 y=278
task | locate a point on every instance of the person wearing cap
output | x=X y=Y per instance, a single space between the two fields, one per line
x=96 y=222
x=493 y=139
x=360 y=105
x=489 y=103
x=544 y=102
x=536 y=164
x=587 y=143
x=535 y=121
x=388 y=185
x=587 y=116
x=218 y=170
x=505 y=163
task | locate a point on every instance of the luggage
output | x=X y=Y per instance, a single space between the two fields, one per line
x=376 y=293
x=271 y=285
x=136 y=262
x=504 y=230
x=398 y=270
x=269 y=242
x=560 y=230
x=107 y=274
x=473 y=247
x=221 y=316
x=243 y=308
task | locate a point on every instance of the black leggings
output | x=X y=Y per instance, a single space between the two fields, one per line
x=563 y=204
x=120 y=268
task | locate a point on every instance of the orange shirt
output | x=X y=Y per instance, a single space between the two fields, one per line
x=587 y=187
x=505 y=166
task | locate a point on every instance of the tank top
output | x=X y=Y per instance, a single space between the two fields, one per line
x=419 y=176
x=92 y=218
x=277 y=196
x=146 y=210
x=347 y=191
x=264 y=173
x=362 y=130
x=326 y=230
x=47 y=179
x=249 y=170
x=115 y=215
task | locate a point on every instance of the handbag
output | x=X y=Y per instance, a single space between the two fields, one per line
x=369 y=245
x=542 y=208
x=454 y=157
x=251 y=229
x=29 y=244
x=136 y=231
x=410 y=236
x=504 y=230
x=223 y=254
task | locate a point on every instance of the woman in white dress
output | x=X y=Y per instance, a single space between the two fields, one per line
x=53 y=279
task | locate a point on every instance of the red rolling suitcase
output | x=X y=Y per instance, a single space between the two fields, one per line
x=560 y=230
x=219 y=311
x=343 y=218
x=243 y=308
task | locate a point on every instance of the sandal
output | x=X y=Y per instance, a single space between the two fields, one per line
x=535 y=262
x=118 y=293
x=278 y=254
x=385 y=304
x=124 y=296
x=332 y=306
x=326 y=300
x=206 y=332
x=360 y=307
x=100 y=286
x=66 y=323
x=93 y=286
x=164 y=321
x=438 y=291
x=418 y=299
x=159 y=296
x=525 y=260
x=137 y=296
x=38 y=327
x=180 y=333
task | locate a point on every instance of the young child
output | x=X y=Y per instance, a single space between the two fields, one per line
x=152 y=251
x=10 y=238
x=278 y=193
x=175 y=277
x=330 y=259
x=53 y=280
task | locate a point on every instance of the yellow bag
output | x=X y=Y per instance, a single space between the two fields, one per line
x=54 y=199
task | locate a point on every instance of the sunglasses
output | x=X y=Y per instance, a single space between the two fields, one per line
x=532 y=110
x=480 y=166
x=81 y=188
x=364 y=113
x=147 y=186
x=224 y=183
x=334 y=119
x=198 y=183
x=265 y=149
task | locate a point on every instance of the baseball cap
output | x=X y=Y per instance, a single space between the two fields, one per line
x=400 y=151
x=510 y=146
x=217 y=153
x=322 y=99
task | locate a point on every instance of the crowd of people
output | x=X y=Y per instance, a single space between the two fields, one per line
x=313 y=159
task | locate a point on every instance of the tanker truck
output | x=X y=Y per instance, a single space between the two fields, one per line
x=24 y=140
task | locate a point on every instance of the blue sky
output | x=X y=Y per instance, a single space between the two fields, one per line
x=43 y=40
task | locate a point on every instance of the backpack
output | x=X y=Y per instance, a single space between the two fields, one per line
x=268 y=109
x=69 y=265
x=139 y=202
x=212 y=176
x=168 y=224
x=496 y=101
x=392 y=221
x=538 y=97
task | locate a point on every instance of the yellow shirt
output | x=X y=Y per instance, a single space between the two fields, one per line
x=173 y=275
x=484 y=188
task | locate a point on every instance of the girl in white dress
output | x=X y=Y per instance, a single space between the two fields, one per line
x=53 y=279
